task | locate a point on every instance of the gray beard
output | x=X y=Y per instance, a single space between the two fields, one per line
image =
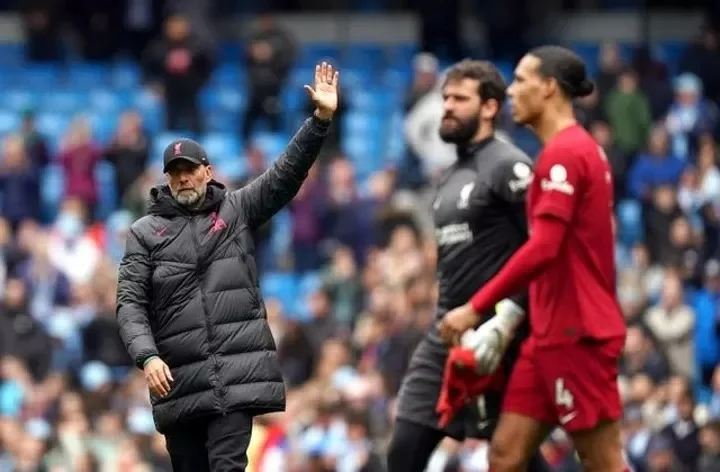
x=190 y=198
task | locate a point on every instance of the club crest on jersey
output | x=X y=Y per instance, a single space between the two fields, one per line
x=465 y=192
x=558 y=181
x=523 y=177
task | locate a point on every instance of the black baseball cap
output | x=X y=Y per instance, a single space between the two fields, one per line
x=185 y=149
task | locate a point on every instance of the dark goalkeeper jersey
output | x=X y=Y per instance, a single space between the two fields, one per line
x=480 y=221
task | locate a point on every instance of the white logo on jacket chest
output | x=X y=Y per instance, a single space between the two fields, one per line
x=465 y=192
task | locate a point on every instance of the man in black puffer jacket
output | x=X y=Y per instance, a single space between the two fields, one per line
x=189 y=306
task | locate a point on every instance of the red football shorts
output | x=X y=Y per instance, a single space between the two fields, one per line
x=572 y=386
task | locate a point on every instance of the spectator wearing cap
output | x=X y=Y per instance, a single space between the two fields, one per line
x=690 y=116
x=189 y=308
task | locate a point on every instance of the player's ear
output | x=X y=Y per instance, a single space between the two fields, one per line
x=489 y=109
x=549 y=86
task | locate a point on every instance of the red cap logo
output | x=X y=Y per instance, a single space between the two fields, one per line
x=177 y=151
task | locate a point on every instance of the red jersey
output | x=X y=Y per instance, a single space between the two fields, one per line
x=574 y=297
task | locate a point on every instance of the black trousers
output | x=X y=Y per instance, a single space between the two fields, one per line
x=211 y=444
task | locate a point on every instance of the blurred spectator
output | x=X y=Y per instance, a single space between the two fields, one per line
x=641 y=356
x=98 y=28
x=263 y=235
x=425 y=76
x=22 y=336
x=683 y=433
x=307 y=210
x=350 y=217
x=654 y=81
x=710 y=439
x=141 y=23
x=690 y=117
x=101 y=341
x=656 y=168
x=619 y=161
x=72 y=251
x=628 y=112
x=270 y=55
x=708 y=172
x=671 y=322
x=421 y=125
x=609 y=68
x=79 y=157
x=659 y=217
x=701 y=59
x=128 y=152
x=19 y=183
x=35 y=143
x=342 y=283
x=42 y=20
x=660 y=455
x=176 y=68
x=588 y=109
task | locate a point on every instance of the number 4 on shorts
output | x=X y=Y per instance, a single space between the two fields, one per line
x=563 y=397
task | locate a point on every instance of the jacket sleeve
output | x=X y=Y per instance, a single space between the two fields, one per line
x=133 y=301
x=277 y=186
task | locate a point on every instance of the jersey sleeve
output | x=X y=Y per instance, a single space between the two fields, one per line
x=511 y=179
x=559 y=176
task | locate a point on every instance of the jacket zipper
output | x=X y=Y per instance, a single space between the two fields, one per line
x=208 y=323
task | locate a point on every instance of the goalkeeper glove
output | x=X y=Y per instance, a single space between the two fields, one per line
x=492 y=338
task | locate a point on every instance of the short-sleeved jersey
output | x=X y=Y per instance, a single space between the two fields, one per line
x=574 y=297
x=480 y=220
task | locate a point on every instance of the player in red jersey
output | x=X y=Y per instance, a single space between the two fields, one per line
x=567 y=371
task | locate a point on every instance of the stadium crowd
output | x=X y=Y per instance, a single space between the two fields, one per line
x=70 y=399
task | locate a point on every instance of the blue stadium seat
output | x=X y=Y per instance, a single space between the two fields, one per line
x=353 y=77
x=38 y=76
x=366 y=56
x=308 y=284
x=282 y=233
x=231 y=170
x=52 y=124
x=88 y=75
x=670 y=52
x=311 y=54
x=65 y=101
x=9 y=122
x=369 y=99
x=223 y=98
x=293 y=99
x=300 y=76
x=126 y=75
x=222 y=121
x=103 y=125
x=221 y=146
x=270 y=144
x=145 y=101
x=228 y=75
x=629 y=221
x=230 y=52
x=52 y=189
x=107 y=198
x=18 y=99
x=12 y=53
x=398 y=79
x=401 y=55
x=281 y=286
x=358 y=123
x=109 y=101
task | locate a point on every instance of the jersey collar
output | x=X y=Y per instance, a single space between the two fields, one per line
x=468 y=150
